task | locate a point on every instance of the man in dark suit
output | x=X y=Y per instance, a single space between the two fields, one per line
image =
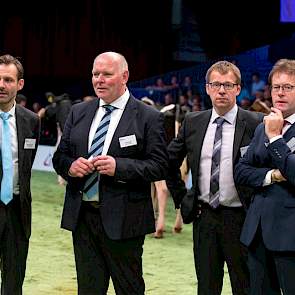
x=110 y=219
x=269 y=167
x=22 y=127
x=217 y=215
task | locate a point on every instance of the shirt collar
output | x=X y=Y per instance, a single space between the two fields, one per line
x=230 y=116
x=120 y=102
x=291 y=119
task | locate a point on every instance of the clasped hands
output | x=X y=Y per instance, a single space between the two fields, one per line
x=104 y=164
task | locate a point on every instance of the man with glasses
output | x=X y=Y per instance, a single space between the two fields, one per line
x=269 y=167
x=213 y=140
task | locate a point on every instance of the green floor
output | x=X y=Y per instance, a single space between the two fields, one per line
x=168 y=263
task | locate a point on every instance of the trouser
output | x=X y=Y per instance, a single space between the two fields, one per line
x=13 y=248
x=98 y=258
x=216 y=234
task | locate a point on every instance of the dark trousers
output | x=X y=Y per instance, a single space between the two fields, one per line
x=270 y=271
x=216 y=234
x=98 y=258
x=13 y=249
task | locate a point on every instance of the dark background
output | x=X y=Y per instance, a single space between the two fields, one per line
x=58 y=40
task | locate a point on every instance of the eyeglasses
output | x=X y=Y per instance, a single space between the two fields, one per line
x=226 y=85
x=285 y=87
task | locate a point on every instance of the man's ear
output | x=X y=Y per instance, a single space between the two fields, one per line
x=20 y=84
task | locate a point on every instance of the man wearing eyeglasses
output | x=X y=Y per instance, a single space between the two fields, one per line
x=213 y=140
x=269 y=167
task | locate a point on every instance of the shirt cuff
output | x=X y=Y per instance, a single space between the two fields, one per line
x=267 y=179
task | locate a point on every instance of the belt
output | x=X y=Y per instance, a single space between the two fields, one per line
x=92 y=205
x=205 y=205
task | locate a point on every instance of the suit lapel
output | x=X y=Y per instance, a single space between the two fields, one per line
x=127 y=118
x=289 y=133
x=199 y=126
x=21 y=127
x=86 y=117
x=239 y=132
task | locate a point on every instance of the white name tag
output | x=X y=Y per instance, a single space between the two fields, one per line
x=291 y=144
x=30 y=143
x=127 y=141
x=243 y=150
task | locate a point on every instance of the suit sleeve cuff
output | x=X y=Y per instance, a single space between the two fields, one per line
x=275 y=138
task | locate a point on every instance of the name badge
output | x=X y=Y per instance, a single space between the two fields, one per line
x=30 y=143
x=291 y=144
x=127 y=141
x=243 y=150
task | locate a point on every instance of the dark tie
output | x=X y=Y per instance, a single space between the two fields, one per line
x=285 y=126
x=215 y=167
x=7 y=167
x=91 y=185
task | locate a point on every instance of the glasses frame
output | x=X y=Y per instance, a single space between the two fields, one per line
x=217 y=85
x=284 y=88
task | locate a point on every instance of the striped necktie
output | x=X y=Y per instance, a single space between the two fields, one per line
x=91 y=184
x=214 y=179
x=7 y=165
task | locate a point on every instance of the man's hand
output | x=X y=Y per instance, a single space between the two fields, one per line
x=105 y=165
x=273 y=123
x=276 y=176
x=81 y=167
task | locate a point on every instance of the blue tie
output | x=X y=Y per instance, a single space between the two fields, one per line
x=214 y=179
x=91 y=185
x=7 y=168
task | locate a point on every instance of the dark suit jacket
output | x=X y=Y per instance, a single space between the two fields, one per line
x=126 y=206
x=28 y=127
x=273 y=205
x=190 y=141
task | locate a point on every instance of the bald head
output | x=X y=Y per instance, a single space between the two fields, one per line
x=116 y=58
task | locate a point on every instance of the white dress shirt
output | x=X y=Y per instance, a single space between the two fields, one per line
x=228 y=193
x=116 y=115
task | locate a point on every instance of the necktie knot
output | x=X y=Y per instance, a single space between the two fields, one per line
x=109 y=108
x=4 y=116
x=219 y=121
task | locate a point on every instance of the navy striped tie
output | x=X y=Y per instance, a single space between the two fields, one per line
x=91 y=184
x=214 y=180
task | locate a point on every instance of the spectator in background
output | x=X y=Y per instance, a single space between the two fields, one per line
x=21 y=100
x=159 y=85
x=57 y=112
x=197 y=103
x=186 y=84
x=16 y=160
x=244 y=99
x=36 y=107
x=88 y=98
x=211 y=139
x=58 y=109
x=184 y=103
x=257 y=84
x=168 y=99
